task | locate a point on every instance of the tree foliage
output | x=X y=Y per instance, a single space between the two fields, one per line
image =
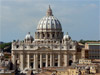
x=84 y=41
x=6 y=47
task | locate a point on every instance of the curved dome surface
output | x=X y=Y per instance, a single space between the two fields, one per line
x=66 y=37
x=49 y=22
x=28 y=36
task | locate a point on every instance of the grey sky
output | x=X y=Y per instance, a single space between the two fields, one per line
x=78 y=17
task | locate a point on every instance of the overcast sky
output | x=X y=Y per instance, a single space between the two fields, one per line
x=78 y=17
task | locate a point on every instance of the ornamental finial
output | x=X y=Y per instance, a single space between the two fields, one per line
x=67 y=33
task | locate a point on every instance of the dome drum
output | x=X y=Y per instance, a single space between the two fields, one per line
x=48 y=35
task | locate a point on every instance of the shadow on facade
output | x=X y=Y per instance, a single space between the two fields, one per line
x=70 y=62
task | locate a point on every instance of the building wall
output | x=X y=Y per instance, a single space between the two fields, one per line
x=42 y=58
x=84 y=61
x=92 y=50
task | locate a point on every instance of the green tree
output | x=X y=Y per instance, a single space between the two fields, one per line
x=6 y=47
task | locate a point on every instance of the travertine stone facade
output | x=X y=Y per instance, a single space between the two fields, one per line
x=49 y=48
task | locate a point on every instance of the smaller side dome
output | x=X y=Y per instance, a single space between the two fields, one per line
x=66 y=37
x=28 y=36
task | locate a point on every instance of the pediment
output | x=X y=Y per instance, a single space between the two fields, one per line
x=44 y=49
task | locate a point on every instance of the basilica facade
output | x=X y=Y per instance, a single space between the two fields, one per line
x=49 y=48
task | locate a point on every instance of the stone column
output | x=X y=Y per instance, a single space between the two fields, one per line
x=46 y=60
x=36 y=62
x=74 y=57
x=56 y=35
x=59 y=60
x=50 y=35
x=51 y=60
x=14 y=61
x=37 y=35
x=46 y=35
x=65 y=60
x=28 y=60
x=40 y=37
x=22 y=61
x=40 y=60
x=34 y=66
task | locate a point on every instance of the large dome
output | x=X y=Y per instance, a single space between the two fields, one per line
x=49 y=22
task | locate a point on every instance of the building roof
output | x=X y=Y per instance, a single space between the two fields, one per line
x=93 y=43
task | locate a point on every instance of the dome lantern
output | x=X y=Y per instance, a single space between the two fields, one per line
x=49 y=11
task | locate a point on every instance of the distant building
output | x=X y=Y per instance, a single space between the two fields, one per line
x=84 y=61
x=92 y=50
x=5 y=68
x=1 y=54
x=49 y=48
x=70 y=71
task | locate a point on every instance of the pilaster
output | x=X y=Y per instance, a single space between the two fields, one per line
x=28 y=60
x=59 y=60
x=22 y=61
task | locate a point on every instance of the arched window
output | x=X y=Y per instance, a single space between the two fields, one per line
x=53 y=35
x=17 y=46
x=48 y=35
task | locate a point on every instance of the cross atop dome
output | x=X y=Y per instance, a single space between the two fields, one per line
x=49 y=11
x=67 y=33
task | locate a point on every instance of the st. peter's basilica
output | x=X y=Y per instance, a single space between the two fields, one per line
x=48 y=48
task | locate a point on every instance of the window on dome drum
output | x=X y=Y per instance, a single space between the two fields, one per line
x=43 y=35
x=57 y=35
x=53 y=35
x=48 y=35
